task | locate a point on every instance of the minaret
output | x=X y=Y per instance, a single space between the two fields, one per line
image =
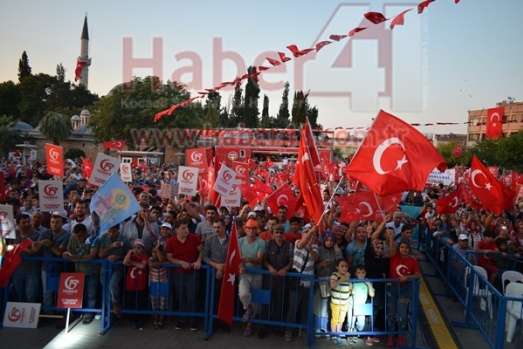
x=84 y=56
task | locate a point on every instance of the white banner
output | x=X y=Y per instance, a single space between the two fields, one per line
x=7 y=222
x=224 y=180
x=187 y=180
x=22 y=315
x=126 y=173
x=103 y=168
x=447 y=177
x=51 y=195
x=233 y=198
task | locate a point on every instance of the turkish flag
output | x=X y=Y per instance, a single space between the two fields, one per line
x=375 y=17
x=450 y=203
x=306 y=182
x=87 y=168
x=230 y=273
x=11 y=261
x=389 y=204
x=468 y=196
x=310 y=143
x=268 y=163
x=78 y=70
x=424 y=4
x=399 y=19
x=494 y=119
x=283 y=196
x=458 y=151
x=360 y=206
x=118 y=145
x=394 y=157
x=493 y=194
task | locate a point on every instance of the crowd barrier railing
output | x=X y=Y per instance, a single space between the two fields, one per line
x=271 y=293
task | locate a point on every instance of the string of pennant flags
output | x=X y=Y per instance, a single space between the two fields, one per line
x=375 y=18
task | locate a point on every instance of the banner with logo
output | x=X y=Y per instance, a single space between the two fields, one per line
x=51 y=195
x=55 y=159
x=126 y=173
x=224 y=180
x=242 y=171
x=104 y=167
x=187 y=180
x=7 y=222
x=22 y=315
x=70 y=290
x=197 y=157
x=233 y=198
x=113 y=203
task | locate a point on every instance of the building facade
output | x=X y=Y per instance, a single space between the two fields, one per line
x=512 y=121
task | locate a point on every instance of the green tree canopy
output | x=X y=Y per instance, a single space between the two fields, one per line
x=510 y=152
x=24 y=69
x=283 y=113
x=56 y=127
x=10 y=137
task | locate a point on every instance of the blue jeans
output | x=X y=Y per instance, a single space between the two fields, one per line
x=114 y=284
x=90 y=289
x=26 y=286
x=398 y=297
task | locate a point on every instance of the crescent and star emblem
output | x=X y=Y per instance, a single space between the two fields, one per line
x=378 y=153
x=366 y=204
x=473 y=179
x=454 y=202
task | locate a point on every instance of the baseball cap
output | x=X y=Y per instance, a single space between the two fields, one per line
x=251 y=214
x=257 y=208
x=167 y=225
x=138 y=242
x=251 y=223
x=61 y=213
x=279 y=227
x=463 y=237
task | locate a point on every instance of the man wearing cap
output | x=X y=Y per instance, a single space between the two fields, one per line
x=461 y=248
x=113 y=247
x=52 y=242
x=166 y=231
x=278 y=260
x=252 y=250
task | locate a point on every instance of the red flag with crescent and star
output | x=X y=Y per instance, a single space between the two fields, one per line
x=230 y=273
x=450 y=203
x=283 y=196
x=493 y=195
x=11 y=261
x=118 y=145
x=394 y=157
x=494 y=119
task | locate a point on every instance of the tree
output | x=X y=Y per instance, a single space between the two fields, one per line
x=265 y=120
x=252 y=94
x=283 y=113
x=299 y=108
x=486 y=150
x=10 y=137
x=56 y=127
x=509 y=152
x=60 y=72
x=34 y=92
x=24 y=69
x=237 y=105
x=445 y=149
x=9 y=99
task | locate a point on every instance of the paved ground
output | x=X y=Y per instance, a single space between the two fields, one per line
x=122 y=336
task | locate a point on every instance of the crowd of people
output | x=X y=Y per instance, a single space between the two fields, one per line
x=190 y=232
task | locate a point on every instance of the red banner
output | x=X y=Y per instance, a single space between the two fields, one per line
x=197 y=157
x=494 y=120
x=55 y=159
x=71 y=290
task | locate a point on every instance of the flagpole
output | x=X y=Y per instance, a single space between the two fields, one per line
x=378 y=203
x=328 y=202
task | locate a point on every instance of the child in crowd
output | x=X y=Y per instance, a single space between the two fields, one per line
x=360 y=292
x=157 y=282
x=340 y=292
x=136 y=281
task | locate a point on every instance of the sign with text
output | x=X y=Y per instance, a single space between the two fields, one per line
x=224 y=180
x=125 y=172
x=233 y=198
x=242 y=171
x=196 y=157
x=55 y=159
x=7 y=222
x=71 y=290
x=22 y=315
x=187 y=180
x=104 y=167
x=51 y=195
x=437 y=177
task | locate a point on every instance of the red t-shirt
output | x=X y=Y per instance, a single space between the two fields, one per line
x=402 y=266
x=136 y=279
x=482 y=245
x=290 y=238
x=186 y=251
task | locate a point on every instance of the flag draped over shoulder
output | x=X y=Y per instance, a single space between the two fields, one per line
x=394 y=157
x=305 y=180
x=113 y=202
x=11 y=261
x=230 y=273
x=493 y=194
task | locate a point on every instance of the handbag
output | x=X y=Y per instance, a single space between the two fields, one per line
x=293 y=281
